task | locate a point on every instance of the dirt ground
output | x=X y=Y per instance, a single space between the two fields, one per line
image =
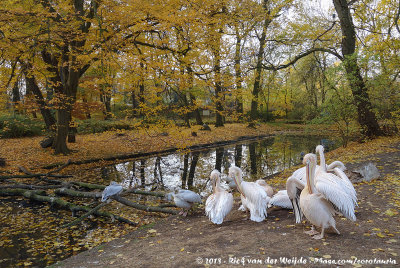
x=371 y=241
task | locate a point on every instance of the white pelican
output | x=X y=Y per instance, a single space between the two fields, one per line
x=184 y=199
x=315 y=206
x=220 y=203
x=280 y=199
x=296 y=182
x=340 y=180
x=231 y=183
x=111 y=190
x=253 y=196
x=268 y=189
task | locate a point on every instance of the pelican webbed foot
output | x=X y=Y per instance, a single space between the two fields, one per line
x=319 y=236
x=312 y=231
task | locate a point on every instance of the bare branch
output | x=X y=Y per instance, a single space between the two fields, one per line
x=300 y=56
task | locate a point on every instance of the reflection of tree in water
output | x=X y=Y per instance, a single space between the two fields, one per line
x=142 y=174
x=185 y=170
x=158 y=178
x=257 y=159
x=219 y=154
x=238 y=155
x=253 y=160
x=188 y=183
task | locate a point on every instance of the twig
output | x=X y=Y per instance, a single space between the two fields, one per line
x=60 y=168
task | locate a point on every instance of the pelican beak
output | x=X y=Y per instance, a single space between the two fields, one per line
x=238 y=186
x=308 y=174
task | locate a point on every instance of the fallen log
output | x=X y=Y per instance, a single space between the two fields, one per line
x=41 y=197
x=102 y=187
x=84 y=216
x=143 y=207
x=30 y=186
x=74 y=193
x=4 y=177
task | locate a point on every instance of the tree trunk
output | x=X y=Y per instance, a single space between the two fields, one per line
x=366 y=117
x=197 y=115
x=16 y=98
x=106 y=100
x=219 y=121
x=260 y=56
x=238 y=75
x=31 y=86
x=60 y=141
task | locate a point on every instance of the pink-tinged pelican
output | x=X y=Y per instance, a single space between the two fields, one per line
x=253 y=196
x=268 y=189
x=280 y=199
x=220 y=202
x=296 y=182
x=340 y=180
x=315 y=206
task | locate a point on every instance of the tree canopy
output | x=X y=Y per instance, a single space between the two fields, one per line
x=169 y=61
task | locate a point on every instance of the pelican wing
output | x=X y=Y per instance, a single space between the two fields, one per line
x=256 y=200
x=336 y=164
x=326 y=184
x=219 y=205
x=281 y=199
x=189 y=196
x=301 y=173
x=294 y=186
x=346 y=184
x=111 y=190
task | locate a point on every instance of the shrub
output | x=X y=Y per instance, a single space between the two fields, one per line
x=97 y=126
x=15 y=126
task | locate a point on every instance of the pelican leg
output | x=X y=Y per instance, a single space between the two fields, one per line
x=336 y=230
x=312 y=231
x=320 y=236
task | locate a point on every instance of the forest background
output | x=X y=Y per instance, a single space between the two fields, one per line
x=147 y=72
x=90 y=65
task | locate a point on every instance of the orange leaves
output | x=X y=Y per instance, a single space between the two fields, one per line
x=27 y=151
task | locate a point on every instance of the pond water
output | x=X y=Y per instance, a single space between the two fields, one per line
x=257 y=159
x=31 y=234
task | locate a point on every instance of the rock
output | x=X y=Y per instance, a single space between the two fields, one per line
x=206 y=127
x=194 y=134
x=2 y=162
x=369 y=172
x=164 y=134
x=47 y=142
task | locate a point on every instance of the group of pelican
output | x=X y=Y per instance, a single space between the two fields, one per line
x=316 y=191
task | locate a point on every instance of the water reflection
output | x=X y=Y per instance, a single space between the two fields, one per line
x=258 y=159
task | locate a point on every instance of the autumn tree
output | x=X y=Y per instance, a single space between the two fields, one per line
x=366 y=116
